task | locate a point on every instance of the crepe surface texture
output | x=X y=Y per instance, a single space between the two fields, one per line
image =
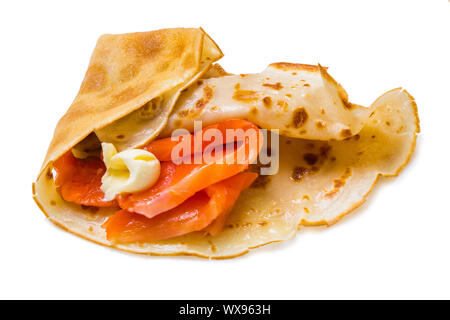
x=324 y=173
x=302 y=101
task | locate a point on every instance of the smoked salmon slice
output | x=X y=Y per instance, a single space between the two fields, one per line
x=186 y=179
x=162 y=148
x=79 y=180
x=194 y=214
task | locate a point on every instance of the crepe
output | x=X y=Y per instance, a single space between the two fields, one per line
x=323 y=172
x=302 y=101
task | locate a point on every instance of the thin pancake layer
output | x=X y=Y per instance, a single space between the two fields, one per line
x=318 y=182
x=301 y=101
x=127 y=71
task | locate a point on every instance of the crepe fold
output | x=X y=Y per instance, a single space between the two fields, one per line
x=331 y=152
x=127 y=72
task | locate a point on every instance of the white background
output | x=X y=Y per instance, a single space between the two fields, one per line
x=395 y=246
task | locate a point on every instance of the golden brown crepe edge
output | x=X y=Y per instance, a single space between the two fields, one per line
x=153 y=254
x=377 y=178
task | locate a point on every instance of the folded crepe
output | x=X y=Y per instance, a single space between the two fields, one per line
x=143 y=86
x=127 y=72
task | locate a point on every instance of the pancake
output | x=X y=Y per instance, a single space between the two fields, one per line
x=142 y=86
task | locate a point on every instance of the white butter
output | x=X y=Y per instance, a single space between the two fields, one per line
x=131 y=170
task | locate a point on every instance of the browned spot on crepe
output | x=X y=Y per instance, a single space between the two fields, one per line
x=144 y=46
x=339 y=183
x=245 y=96
x=345 y=133
x=94 y=80
x=126 y=95
x=298 y=173
x=128 y=73
x=275 y=86
x=299 y=117
x=320 y=124
x=310 y=158
x=267 y=101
